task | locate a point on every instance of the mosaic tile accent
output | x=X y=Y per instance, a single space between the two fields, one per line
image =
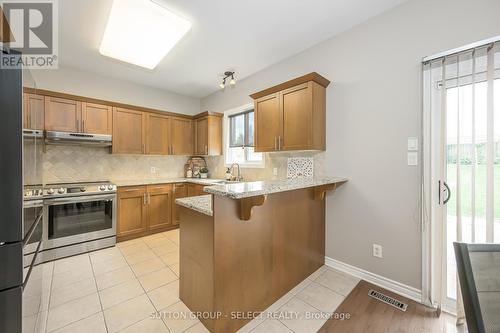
x=300 y=167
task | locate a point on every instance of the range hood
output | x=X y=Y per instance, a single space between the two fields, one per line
x=82 y=139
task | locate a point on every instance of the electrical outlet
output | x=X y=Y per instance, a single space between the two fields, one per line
x=377 y=251
x=275 y=171
x=153 y=170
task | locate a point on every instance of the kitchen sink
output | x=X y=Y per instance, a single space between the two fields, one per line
x=227 y=182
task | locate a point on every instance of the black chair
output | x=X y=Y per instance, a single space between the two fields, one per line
x=478 y=267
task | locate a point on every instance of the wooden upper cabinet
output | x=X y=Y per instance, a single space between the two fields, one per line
x=96 y=118
x=132 y=211
x=34 y=112
x=62 y=114
x=157 y=134
x=292 y=115
x=201 y=136
x=208 y=134
x=128 y=131
x=159 y=200
x=181 y=136
x=267 y=123
x=296 y=108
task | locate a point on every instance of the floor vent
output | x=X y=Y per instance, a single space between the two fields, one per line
x=387 y=300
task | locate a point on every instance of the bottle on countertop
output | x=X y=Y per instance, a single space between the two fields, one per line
x=228 y=174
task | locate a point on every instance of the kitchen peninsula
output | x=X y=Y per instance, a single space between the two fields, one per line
x=245 y=245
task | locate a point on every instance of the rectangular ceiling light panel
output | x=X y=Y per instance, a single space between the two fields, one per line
x=141 y=32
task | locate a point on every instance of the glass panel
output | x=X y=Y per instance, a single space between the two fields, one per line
x=481 y=120
x=496 y=112
x=252 y=156
x=451 y=179
x=250 y=129
x=235 y=155
x=237 y=130
x=79 y=218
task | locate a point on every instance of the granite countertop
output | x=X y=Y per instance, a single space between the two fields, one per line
x=251 y=189
x=204 y=181
x=201 y=203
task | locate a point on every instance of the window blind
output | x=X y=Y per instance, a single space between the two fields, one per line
x=241 y=127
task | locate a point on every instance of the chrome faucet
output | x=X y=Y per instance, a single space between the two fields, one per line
x=239 y=178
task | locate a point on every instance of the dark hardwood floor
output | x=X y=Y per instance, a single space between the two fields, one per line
x=373 y=316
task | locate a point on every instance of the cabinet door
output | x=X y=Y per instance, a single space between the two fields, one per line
x=201 y=147
x=132 y=211
x=180 y=191
x=268 y=123
x=62 y=114
x=157 y=135
x=128 y=131
x=195 y=190
x=296 y=105
x=159 y=206
x=34 y=112
x=181 y=136
x=97 y=118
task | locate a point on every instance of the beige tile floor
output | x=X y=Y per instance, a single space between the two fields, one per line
x=119 y=289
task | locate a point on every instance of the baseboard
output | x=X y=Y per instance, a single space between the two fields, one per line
x=394 y=286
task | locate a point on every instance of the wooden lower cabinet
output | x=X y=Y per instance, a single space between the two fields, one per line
x=195 y=190
x=180 y=191
x=143 y=210
x=132 y=212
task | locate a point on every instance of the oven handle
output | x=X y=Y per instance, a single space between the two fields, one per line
x=62 y=201
x=32 y=203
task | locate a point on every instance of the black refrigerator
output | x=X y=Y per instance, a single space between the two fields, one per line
x=20 y=218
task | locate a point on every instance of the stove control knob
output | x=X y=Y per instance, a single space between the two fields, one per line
x=50 y=191
x=110 y=187
x=102 y=188
x=60 y=191
x=83 y=189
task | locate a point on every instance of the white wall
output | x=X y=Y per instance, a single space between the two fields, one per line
x=76 y=82
x=373 y=105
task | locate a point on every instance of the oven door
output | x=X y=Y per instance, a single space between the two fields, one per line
x=79 y=219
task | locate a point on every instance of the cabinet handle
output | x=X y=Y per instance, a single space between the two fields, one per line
x=144 y=199
x=279 y=142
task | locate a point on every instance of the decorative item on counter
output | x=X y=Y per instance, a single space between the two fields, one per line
x=228 y=174
x=189 y=173
x=204 y=172
x=195 y=163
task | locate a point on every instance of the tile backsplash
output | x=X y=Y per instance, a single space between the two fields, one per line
x=77 y=164
x=217 y=166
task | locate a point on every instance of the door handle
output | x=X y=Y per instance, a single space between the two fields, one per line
x=448 y=192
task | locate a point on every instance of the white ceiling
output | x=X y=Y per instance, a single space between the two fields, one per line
x=243 y=35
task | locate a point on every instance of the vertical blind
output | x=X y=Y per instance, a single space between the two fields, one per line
x=241 y=127
x=464 y=88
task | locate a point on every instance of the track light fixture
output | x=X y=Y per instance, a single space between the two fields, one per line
x=228 y=75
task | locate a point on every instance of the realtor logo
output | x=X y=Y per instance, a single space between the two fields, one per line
x=28 y=33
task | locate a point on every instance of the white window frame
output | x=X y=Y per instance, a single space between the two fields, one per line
x=256 y=165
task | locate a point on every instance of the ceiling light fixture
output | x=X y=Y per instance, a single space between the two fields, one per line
x=141 y=32
x=228 y=75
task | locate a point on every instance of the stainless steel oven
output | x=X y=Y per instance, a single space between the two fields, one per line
x=79 y=218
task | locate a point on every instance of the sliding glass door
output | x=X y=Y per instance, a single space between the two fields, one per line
x=462 y=97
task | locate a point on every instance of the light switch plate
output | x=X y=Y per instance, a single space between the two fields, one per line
x=412 y=158
x=413 y=143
